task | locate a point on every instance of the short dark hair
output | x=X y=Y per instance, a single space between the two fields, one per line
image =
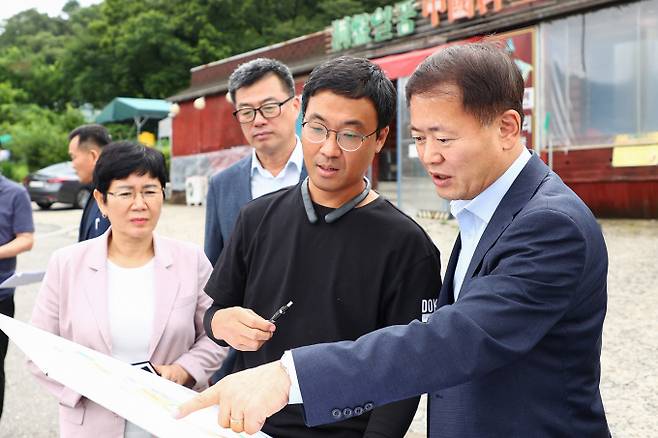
x=354 y=78
x=251 y=72
x=489 y=80
x=121 y=159
x=91 y=135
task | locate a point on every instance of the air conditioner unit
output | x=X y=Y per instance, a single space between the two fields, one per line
x=196 y=188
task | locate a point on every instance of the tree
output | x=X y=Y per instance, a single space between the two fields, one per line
x=30 y=48
x=40 y=135
x=49 y=65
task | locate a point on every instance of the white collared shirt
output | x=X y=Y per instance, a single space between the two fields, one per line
x=263 y=182
x=474 y=215
x=131 y=311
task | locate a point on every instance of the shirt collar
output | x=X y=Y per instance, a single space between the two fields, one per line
x=485 y=204
x=296 y=159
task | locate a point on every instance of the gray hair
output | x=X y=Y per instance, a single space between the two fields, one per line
x=251 y=72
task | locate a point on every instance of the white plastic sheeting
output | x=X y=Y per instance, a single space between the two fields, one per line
x=205 y=165
x=598 y=76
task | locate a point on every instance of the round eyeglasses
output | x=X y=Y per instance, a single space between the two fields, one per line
x=347 y=140
x=269 y=110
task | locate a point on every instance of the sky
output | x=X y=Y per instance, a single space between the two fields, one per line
x=9 y=8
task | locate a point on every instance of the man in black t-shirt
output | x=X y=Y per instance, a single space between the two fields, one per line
x=348 y=259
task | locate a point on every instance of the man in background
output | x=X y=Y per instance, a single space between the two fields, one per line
x=263 y=92
x=85 y=145
x=16 y=236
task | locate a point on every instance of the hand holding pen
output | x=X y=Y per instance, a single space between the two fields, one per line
x=243 y=329
x=279 y=313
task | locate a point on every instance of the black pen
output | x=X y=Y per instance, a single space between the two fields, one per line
x=280 y=312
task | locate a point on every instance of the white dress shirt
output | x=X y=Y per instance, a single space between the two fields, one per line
x=474 y=215
x=295 y=395
x=263 y=182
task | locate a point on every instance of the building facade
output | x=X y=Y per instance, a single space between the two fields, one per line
x=590 y=104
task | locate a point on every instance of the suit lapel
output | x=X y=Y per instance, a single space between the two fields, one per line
x=95 y=281
x=167 y=285
x=447 y=294
x=518 y=195
x=243 y=188
x=82 y=230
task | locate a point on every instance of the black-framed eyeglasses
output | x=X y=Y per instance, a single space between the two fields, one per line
x=269 y=110
x=347 y=140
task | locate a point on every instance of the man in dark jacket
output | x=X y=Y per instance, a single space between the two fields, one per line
x=85 y=145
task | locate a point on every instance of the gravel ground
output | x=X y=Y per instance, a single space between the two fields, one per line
x=630 y=344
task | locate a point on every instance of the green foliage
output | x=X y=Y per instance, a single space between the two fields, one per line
x=39 y=135
x=49 y=65
x=146 y=48
x=14 y=171
x=122 y=131
x=30 y=48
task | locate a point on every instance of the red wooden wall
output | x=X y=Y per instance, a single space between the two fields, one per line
x=210 y=129
x=630 y=192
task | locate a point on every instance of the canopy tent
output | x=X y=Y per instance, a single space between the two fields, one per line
x=130 y=108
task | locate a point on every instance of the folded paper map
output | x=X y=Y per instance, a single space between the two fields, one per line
x=140 y=397
x=22 y=279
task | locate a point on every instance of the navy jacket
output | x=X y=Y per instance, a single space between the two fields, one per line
x=518 y=354
x=92 y=224
x=229 y=190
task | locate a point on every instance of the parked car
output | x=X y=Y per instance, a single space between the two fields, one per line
x=56 y=183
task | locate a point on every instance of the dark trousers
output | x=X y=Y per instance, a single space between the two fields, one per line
x=6 y=308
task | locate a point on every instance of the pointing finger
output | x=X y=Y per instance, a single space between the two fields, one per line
x=207 y=398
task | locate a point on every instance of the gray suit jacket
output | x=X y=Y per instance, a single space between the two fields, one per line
x=229 y=190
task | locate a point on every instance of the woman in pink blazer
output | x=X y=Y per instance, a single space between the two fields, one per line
x=129 y=293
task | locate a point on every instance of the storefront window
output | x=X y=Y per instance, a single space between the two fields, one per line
x=598 y=74
x=416 y=194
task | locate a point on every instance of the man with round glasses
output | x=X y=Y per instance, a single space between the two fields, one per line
x=348 y=140
x=263 y=92
x=349 y=261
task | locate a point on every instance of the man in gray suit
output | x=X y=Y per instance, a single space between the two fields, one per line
x=263 y=92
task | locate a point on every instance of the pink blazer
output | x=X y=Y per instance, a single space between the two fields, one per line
x=73 y=304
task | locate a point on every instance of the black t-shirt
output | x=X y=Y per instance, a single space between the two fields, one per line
x=372 y=268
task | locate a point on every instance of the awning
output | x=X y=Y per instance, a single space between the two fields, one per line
x=403 y=64
x=129 y=108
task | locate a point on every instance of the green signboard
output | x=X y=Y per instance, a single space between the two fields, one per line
x=383 y=24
